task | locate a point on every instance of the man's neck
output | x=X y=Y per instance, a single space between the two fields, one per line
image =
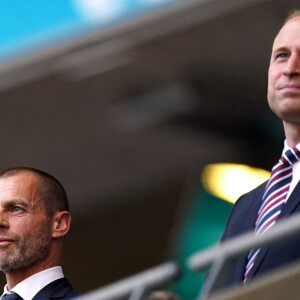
x=15 y=277
x=292 y=133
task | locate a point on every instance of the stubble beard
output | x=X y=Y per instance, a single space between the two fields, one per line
x=29 y=250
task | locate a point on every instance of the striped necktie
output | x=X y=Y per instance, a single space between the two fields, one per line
x=273 y=199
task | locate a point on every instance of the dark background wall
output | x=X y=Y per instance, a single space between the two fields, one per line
x=129 y=130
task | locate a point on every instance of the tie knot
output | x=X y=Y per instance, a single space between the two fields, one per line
x=12 y=296
x=290 y=156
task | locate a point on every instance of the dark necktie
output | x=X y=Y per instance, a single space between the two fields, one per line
x=12 y=296
x=273 y=199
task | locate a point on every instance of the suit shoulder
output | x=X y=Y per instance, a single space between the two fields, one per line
x=244 y=213
x=72 y=295
x=249 y=197
x=58 y=289
x=258 y=190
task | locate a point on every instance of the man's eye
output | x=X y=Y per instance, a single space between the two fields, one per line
x=281 y=55
x=16 y=209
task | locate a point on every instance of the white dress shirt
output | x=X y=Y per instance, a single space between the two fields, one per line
x=296 y=170
x=29 y=287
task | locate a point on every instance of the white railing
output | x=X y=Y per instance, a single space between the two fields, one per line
x=137 y=287
x=220 y=257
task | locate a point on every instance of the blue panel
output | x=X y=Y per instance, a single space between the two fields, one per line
x=29 y=23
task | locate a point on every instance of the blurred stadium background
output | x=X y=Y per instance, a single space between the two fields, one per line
x=127 y=102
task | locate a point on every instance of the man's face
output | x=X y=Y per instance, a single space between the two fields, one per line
x=25 y=231
x=284 y=73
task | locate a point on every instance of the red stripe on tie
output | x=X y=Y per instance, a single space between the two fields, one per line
x=279 y=175
x=274 y=218
x=274 y=197
x=297 y=152
x=262 y=213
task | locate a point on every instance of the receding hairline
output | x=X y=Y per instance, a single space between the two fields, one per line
x=45 y=181
x=292 y=15
x=39 y=174
x=20 y=172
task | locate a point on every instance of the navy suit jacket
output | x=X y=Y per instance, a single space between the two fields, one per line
x=242 y=220
x=58 y=289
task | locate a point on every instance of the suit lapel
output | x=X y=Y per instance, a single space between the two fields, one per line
x=263 y=252
x=291 y=204
x=247 y=221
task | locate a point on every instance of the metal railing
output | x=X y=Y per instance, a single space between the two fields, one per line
x=220 y=257
x=137 y=287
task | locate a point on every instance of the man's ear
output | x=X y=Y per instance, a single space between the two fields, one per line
x=61 y=224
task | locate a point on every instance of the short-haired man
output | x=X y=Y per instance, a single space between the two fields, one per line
x=34 y=219
x=248 y=212
x=261 y=208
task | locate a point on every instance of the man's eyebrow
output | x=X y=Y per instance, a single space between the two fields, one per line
x=279 y=49
x=15 y=201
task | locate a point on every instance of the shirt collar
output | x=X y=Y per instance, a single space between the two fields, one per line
x=36 y=282
x=287 y=147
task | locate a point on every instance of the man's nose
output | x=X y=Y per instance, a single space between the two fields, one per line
x=292 y=67
x=3 y=220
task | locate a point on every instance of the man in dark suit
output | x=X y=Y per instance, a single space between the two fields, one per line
x=284 y=101
x=34 y=219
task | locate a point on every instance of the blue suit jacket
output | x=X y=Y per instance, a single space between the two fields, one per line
x=58 y=289
x=242 y=219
